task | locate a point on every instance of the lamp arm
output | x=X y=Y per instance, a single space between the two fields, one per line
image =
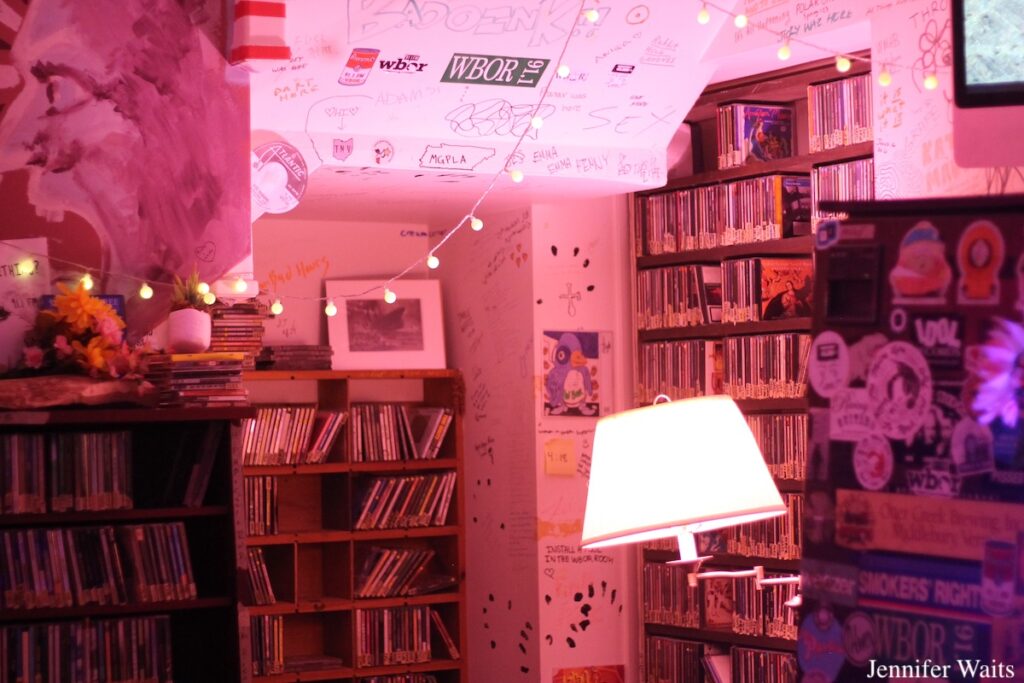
x=757 y=572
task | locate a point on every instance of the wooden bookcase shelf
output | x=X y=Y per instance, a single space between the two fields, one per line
x=726 y=637
x=719 y=330
x=174 y=474
x=795 y=164
x=93 y=517
x=314 y=561
x=95 y=611
x=671 y=293
x=790 y=246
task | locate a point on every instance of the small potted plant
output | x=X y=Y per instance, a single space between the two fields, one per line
x=188 y=325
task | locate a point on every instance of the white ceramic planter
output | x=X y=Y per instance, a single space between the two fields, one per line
x=188 y=331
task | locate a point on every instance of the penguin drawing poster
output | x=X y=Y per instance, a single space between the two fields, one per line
x=572 y=377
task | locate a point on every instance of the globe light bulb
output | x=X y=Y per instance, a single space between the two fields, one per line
x=562 y=71
x=592 y=15
x=885 y=78
x=516 y=175
x=433 y=262
x=931 y=82
x=843 y=64
x=87 y=282
x=389 y=296
x=203 y=288
x=277 y=308
x=209 y=298
x=784 y=52
x=740 y=21
x=330 y=309
x=536 y=122
x=240 y=285
x=703 y=16
x=476 y=224
x=26 y=267
x=145 y=291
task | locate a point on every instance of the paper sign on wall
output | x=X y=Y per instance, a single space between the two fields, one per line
x=591 y=674
x=560 y=457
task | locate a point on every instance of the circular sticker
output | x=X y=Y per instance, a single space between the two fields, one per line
x=829 y=367
x=873 y=462
x=278 y=177
x=383 y=152
x=859 y=639
x=900 y=389
x=820 y=648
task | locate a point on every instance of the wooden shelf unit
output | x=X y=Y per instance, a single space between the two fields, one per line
x=203 y=631
x=315 y=558
x=786 y=86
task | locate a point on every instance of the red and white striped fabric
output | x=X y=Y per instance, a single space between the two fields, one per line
x=259 y=32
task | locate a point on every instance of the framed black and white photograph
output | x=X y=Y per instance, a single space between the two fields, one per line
x=368 y=332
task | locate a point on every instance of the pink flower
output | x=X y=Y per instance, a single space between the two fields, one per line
x=997 y=369
x=62 y=346
x=33 y=357
x=108 y=328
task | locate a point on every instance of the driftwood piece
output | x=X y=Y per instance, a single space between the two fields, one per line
x=64 y=390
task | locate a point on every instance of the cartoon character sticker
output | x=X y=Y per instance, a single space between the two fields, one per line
x=899 y=389
x=921 y=274
x=979 y=255
x=571 y=365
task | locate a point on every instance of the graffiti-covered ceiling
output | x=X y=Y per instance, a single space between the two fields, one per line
x=392 y=105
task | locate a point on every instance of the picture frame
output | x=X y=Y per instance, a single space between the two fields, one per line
x=369 y=333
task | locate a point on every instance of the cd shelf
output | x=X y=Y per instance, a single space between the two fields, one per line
x=684 y=249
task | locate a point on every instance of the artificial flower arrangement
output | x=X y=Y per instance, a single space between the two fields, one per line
x=81 y=334
x=996 y=374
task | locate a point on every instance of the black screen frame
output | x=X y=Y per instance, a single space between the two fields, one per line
x=971 y=96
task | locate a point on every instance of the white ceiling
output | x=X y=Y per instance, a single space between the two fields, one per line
x=604 y=132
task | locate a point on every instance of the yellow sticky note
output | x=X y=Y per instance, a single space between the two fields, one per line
x=560 y=457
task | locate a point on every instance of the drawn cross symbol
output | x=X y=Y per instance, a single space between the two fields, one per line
x=572 y=297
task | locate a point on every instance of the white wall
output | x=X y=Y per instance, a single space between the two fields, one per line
x=489 y=307
x=537 y=603
x=591 y=590
x=294 y=257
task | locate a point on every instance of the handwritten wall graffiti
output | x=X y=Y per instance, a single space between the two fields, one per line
x=462 y=157
x=496 y=117
x=543 y=22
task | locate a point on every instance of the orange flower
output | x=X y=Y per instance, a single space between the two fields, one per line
x=93 y=357
x=77 y=308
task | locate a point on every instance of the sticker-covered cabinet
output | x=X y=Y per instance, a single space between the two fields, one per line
x=913 y=553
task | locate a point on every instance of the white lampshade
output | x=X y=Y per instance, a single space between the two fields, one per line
x=673 y=469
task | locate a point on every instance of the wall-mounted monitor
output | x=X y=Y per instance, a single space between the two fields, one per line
x=988 y=83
